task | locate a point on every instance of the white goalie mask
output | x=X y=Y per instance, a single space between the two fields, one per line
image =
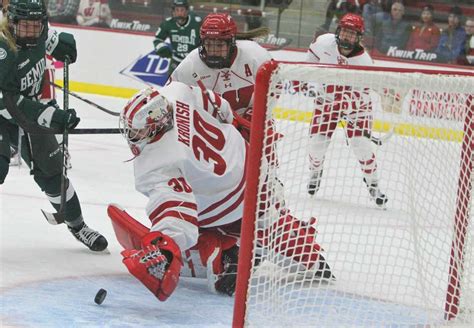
x=145 y=117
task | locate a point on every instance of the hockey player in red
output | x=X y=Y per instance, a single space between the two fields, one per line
x=224 y=62
x=336 y=103
x=190 y=163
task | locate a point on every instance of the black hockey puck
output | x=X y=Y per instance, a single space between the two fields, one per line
x=100 y=296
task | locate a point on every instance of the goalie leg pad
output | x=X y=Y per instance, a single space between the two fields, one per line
x=157 y=265
x=219 y=253
x=129 y=232
x=294 y=238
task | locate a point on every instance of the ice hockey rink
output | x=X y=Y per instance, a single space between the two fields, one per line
x=48 y=279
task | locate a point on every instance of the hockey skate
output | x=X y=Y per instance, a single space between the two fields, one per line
x=227 y=280
x=314 y=182
x=375 y=193
x=91 y=238
x=324 y=271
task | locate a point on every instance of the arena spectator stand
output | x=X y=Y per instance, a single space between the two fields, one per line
x=452 y=38
x=425 y=35
x=467 y=53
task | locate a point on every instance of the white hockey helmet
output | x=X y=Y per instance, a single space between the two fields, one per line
x=145 y=117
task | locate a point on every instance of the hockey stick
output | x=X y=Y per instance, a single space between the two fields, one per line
x=240 y=120
x=19 y=147
x=379 y=141
x=16 y=153
x=60 y=216
x=87 y=101
x=95 y=131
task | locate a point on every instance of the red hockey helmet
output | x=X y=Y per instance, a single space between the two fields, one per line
x=146 y=114
x=218 y=26
x=351 y=22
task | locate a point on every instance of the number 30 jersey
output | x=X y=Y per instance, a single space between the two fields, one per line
x=194 y=173
x=235 y=84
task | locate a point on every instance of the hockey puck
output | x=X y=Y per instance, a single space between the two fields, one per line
x=100 y=296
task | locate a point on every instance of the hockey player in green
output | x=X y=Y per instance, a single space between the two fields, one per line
x=24 y=42
x=183 y=31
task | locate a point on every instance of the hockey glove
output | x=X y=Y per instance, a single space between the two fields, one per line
x=157 y=265
x=61 y=45
x=52 y=117
x=66 y=119
x=226 y=281
x=163 y=50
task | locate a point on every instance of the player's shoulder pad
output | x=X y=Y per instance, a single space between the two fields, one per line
x=175 y=85
x=325 y=38
x=175 y=89
x=168 y=19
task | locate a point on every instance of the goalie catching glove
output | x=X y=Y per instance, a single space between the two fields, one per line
x=157 y=265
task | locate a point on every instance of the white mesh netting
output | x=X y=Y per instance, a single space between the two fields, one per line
x=391 y=263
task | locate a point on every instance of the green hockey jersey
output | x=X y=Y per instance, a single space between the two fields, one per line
x=22 y=71
x=183 y=38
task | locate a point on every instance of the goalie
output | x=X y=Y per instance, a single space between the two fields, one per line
x=190 y=163
x=335 y=103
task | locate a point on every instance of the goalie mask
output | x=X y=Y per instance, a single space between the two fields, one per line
x=217 y=34
x=145 y=118
x=349 y=31
x=27 y=21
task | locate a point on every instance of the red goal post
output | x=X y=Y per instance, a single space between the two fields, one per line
x=431 y=116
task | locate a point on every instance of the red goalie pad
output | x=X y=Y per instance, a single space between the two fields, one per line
x=157 y=265
x=209 y=241
x=129 y=232
x=293 y=238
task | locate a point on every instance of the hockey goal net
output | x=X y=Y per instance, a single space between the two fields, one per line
x=409 y=263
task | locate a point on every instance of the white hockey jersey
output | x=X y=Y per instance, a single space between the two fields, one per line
x=324 y=50
x=235 y=84
x=93 y=12
x=194 y=174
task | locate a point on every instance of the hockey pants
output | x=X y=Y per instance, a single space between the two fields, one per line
x=43 y=156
